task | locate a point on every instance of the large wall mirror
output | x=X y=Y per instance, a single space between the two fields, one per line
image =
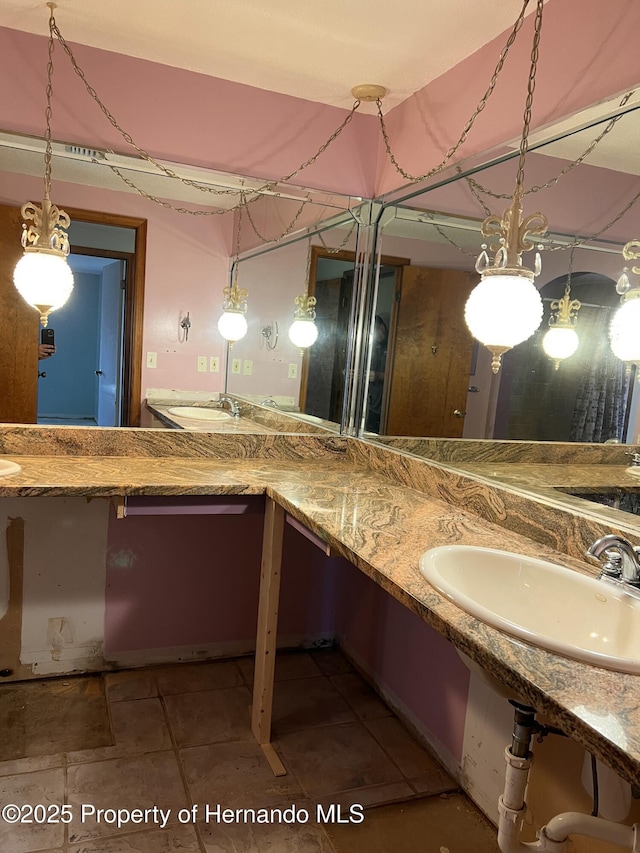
x=432 y=378
x=120 y=334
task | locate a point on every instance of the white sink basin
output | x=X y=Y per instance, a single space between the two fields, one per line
x=547 y=605
x=199 y=413
x=7 y=468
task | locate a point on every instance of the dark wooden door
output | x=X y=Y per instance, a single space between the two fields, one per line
x=429 y=354
x=19 y=325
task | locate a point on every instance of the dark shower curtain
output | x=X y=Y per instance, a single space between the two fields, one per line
x=601 y=403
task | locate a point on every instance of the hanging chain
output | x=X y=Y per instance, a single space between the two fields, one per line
x=48 y=110
x=567 y=288
x=286 y=231
x=531 y=85
x=332 y=250
x=236 y=259
x=267 y=187
x=308 y=270
x=162 y=202
x=467 y=128
x=474 y=185
x=450 y=240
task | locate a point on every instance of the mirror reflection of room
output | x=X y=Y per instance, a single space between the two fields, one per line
x=589 y=396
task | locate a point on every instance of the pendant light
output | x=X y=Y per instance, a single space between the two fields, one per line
x=623 y=332
x=561 y=340
x=505 y=308
x=303 y=332
x=43 y=276
x=232 y=324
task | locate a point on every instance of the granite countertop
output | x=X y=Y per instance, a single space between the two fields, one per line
x=382 y=528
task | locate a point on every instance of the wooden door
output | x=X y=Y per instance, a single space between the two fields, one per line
x=19 y=330
x=429 y=354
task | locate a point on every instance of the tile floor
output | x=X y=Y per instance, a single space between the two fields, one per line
x=168 y=740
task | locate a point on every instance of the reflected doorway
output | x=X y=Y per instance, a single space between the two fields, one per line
x=323 y=374
x=82 y=384
x=121 y=242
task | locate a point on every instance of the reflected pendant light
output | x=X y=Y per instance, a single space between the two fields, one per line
x=561 y=340
x=232 y=324
x=623 y=332
x=43 y=276
x=505 y=308
x=303 y=332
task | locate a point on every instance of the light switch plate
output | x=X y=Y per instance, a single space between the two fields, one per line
x=236 y=365
x=247 y=367
x=152 y=359
x=293 y=371
x=214 y=364
x=202 y=364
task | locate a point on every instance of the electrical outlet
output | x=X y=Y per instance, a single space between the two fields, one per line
x=152 y=359
x=236 y=365
x=293 y=371
x=214 y=364
x=202 y=364
x=247 y=367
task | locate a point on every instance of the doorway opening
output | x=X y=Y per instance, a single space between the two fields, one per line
x=95 y=377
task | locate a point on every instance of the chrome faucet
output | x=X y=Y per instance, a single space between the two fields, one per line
x=269 y=402
x=234 y=408
x=622 y=560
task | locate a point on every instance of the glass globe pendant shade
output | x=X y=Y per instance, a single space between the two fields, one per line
x=232 y=325
x=44 y=279
x=303 y=333
x=503 y=310
x=623 y=332
x=560 y=342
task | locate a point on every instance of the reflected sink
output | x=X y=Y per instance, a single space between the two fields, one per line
x=199 y=413
x=7 y=468
x=549 y=606
x=311 y=418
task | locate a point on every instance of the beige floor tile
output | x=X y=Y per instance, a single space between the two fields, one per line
x=336 y=758
x=40 y=718
x=244 y=837
x=429 y=825
x=422 y=770
x=130 y=684
x=307 y=702
x=169 y=840
x=236 y=775
x=331 y=661
x=211 y=716
x=140 y=725
x=364 y=701
x=288 y=665
x=30 y=765
x=45 y=788
x=139 y=782
x=192 y=677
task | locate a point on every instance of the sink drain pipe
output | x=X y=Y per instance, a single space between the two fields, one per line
x=554 y=837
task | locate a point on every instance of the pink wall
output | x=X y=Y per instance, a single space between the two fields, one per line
x=406 y=657
x=182 y=116
x=184 y=580
x=584 y=58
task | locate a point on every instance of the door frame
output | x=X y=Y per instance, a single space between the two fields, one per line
x=133 y=304
x=340 y=255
